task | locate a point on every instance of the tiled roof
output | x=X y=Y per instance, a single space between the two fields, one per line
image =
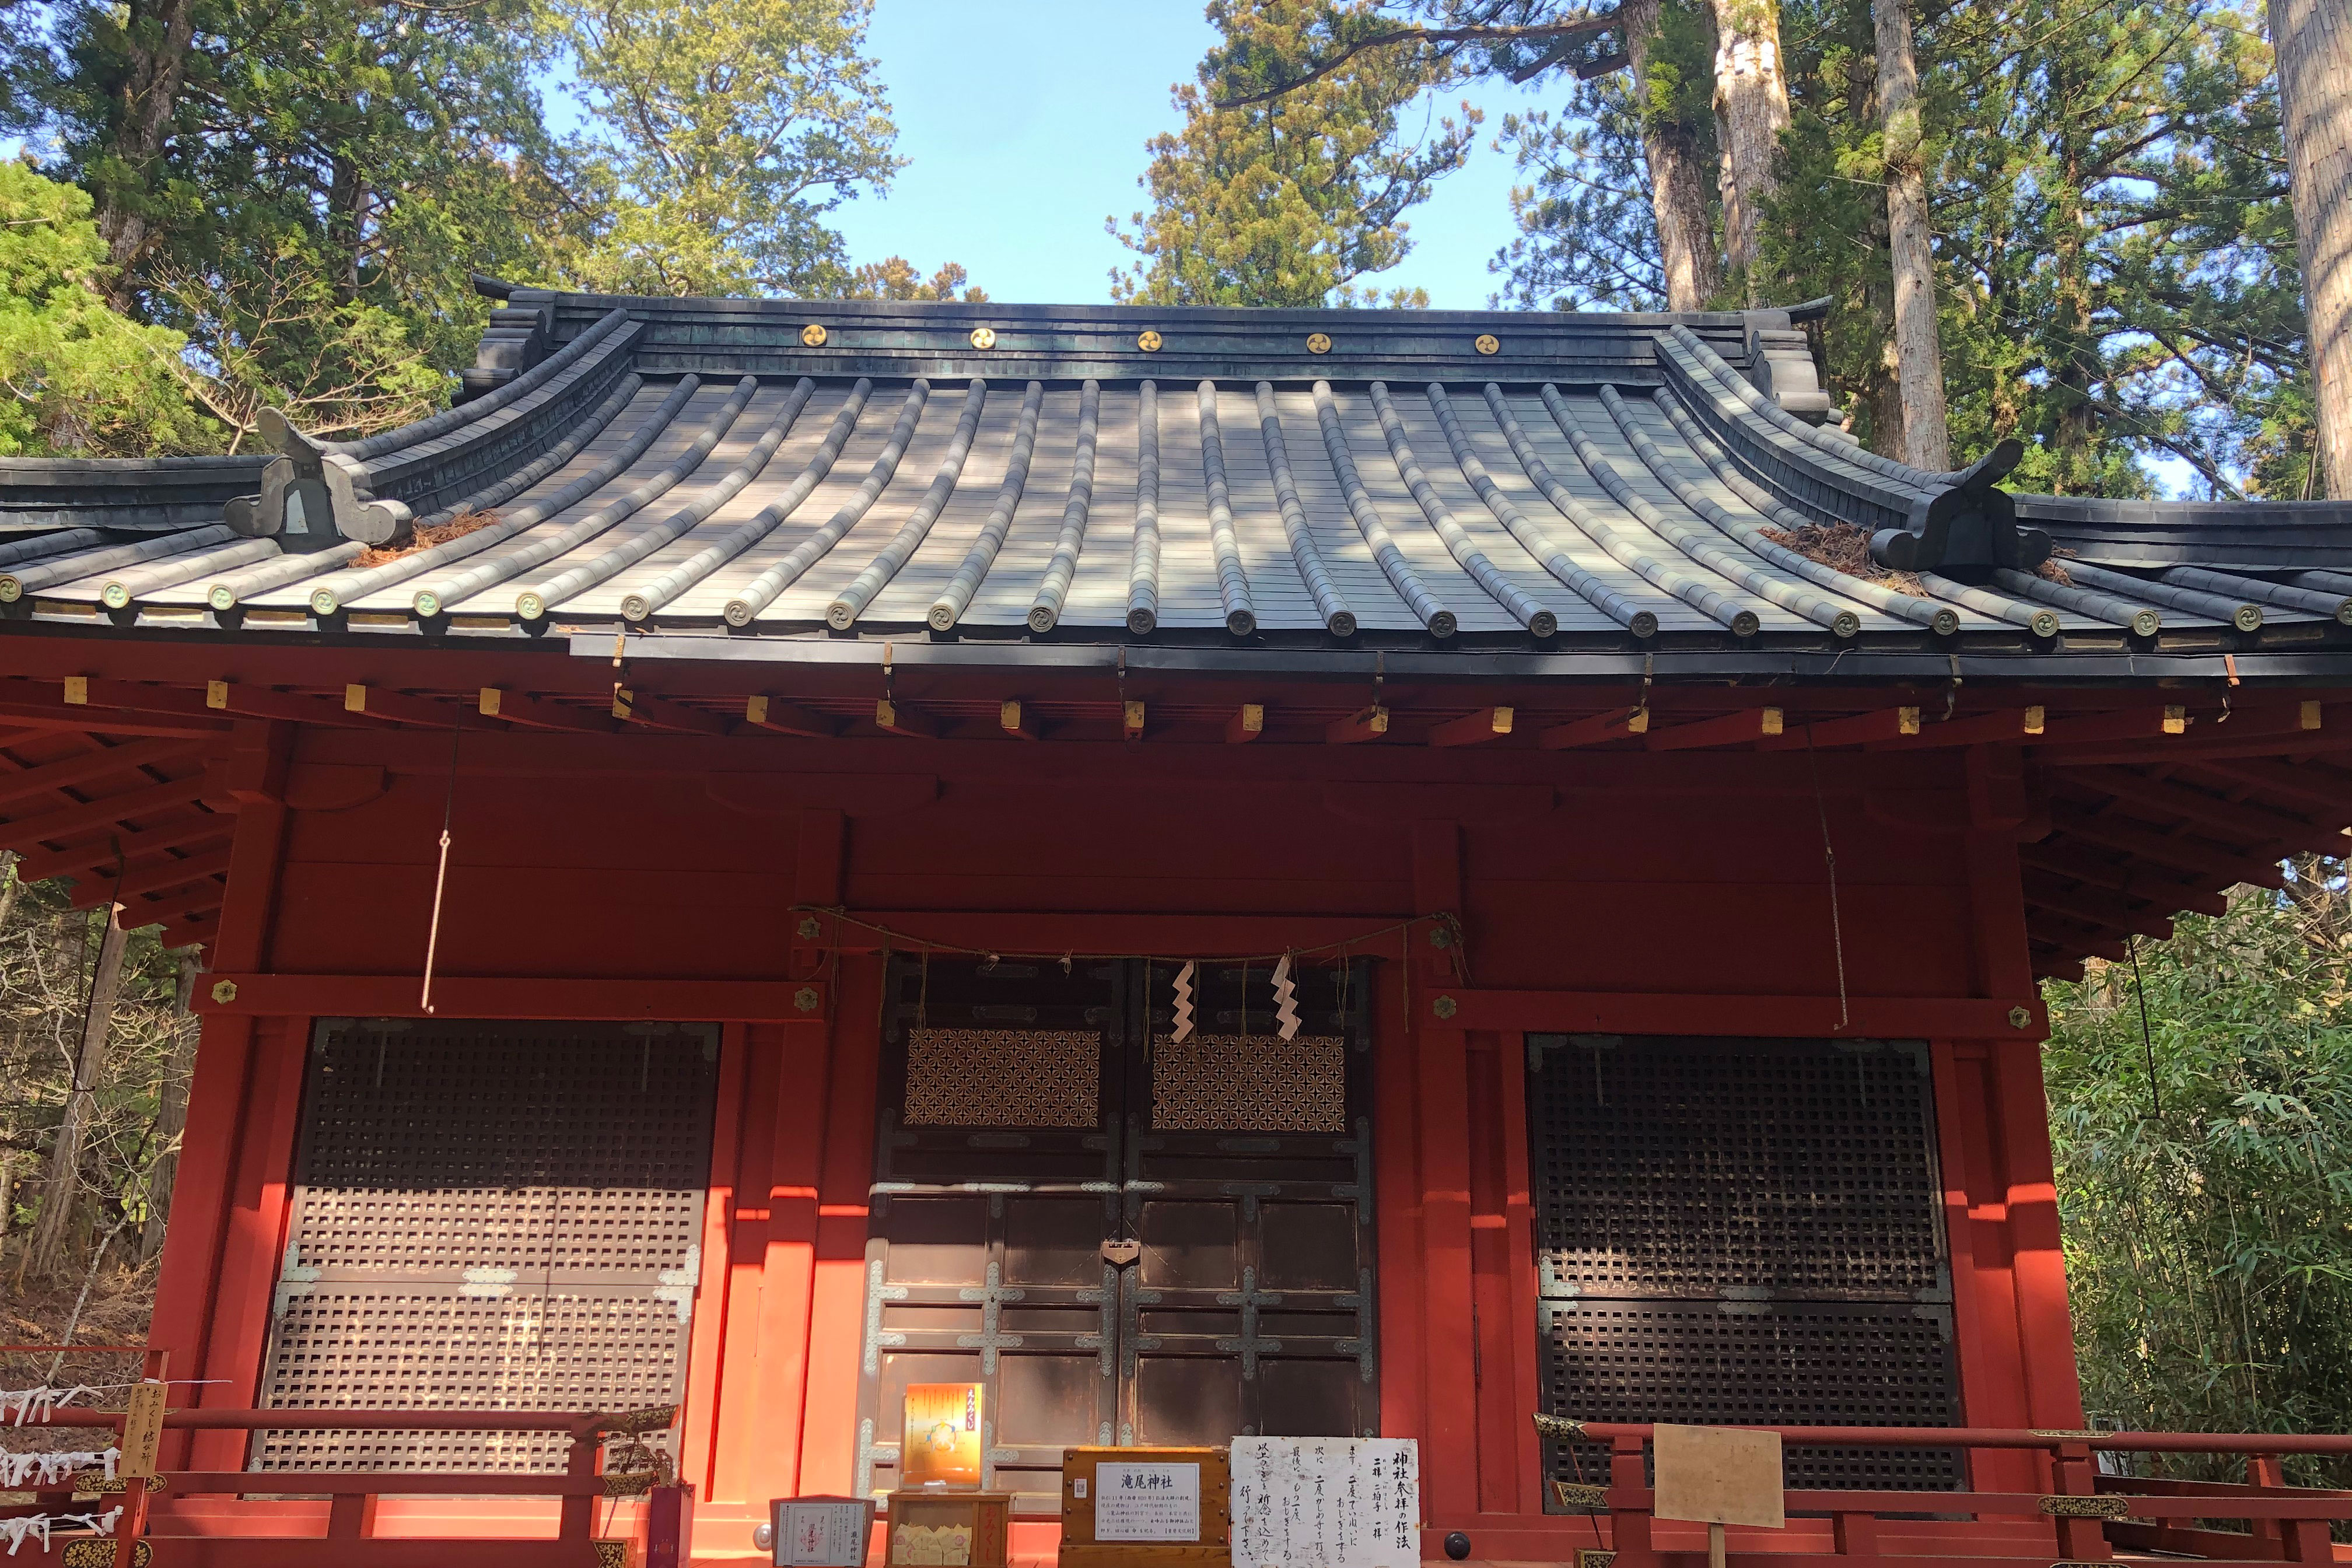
x=1419 y=480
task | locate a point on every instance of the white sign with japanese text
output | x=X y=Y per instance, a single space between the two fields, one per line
x=1147 y=1502
x=1326 y=1502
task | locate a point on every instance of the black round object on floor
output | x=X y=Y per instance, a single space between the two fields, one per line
x=1457 y=1546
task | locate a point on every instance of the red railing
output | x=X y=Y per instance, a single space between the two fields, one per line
x=351 y=1496
x=2092 y=1514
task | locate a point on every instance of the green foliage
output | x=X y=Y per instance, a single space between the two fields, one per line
x=2210 y=1248
x=894 y=278
x=1588 y=235
x=80 y=380
x=1290 y=201
x=721 y=135
x=2116 y=258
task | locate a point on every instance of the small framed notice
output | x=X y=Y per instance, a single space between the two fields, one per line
x=1326 y=1502
x=821 y=1531
x=941 y=1445
x=1150 y=1500
x=1146 y=1508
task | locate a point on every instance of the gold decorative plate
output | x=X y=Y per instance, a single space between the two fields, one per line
x=1319 y=342
x=984 y=337
x=813 y=335
x=1148 y=340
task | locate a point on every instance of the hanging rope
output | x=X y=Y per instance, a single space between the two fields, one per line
x=1828 y=859
x=441 y=874
x=2147 y=1036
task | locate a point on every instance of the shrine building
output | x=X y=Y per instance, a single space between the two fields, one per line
x=1213 y=872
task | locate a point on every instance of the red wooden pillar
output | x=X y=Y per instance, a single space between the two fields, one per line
x=1503 y=1277
x=798 y=1151
x=1449 y=1370
x=714 y=1314
x=221 y=1171
x=828 y=1436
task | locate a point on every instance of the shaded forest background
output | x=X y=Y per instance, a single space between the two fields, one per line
x=227 y=206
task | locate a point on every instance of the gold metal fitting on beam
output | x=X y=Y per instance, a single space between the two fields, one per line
x=1578 y=1498
x=984 y=337
x=1148 y=340
x=1319 y=342
x=1488 y=343
x=2062 y=1507
x=812 y=336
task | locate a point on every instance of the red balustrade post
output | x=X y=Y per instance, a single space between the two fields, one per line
x=2266 y=1471
x=1857 y=1534
x=576 y=1519
x=1628 y=1525
x=2079 y=1540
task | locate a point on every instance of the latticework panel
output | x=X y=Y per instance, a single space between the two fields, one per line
x=1672 y=1167
x=1250 y=1083
x=488 y=1215
x=445 y=1347
x=1002 y=1078
x=1742 y=1363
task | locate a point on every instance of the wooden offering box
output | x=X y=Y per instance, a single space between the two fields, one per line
x=1129 y=1525
x=924 y=1527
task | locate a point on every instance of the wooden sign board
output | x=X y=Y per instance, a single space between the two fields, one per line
x=1326 y=1502
x=1146 y=1508
x=143 y=1431
x=1719 y=1475
x=820 y=1531
x=941 y=1436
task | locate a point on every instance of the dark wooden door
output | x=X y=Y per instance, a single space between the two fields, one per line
x=1124 y=1238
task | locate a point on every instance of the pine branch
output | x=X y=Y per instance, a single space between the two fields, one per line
x=1560 y=33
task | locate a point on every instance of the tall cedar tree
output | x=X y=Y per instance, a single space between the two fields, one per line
x=1289 y=201
x=2314 y=40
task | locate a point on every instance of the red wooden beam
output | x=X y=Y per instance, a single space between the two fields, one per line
x=661 y=713
x=92 y=765
x=1597 y=730
x=2020 y=725
x=893 y=719
x=79 y=819
x=378 y=702
x=2127 y=877
x=1247 y=724
x=196 y=900
x=787 y=718
x=1886 y=724
x=2096 y=909
x=2253 y=823
x=1731 y=730
x=1365 y=724
x=2316 y=788
x=98 y=886
x=263 y=703
x=539 y=714
x=33 y=705
x=1473 y=728
x=1028 y=934
x=189 y=833
x=487 y=996
x=1648 y=1012
x=198 y=934
x=2187 y=854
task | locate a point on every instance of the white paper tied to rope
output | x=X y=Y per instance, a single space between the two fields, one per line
x=47 y=1471
x=36 y=1526
x=1183 y=1029
x=1286 y=1000
x=18 y=1404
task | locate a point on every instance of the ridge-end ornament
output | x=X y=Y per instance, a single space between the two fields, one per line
x=1488 y=343
x=1319 y=342
x=1148 y=340
x=812 y=336
x=984 y=337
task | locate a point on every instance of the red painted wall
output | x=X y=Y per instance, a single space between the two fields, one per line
x=677 y=857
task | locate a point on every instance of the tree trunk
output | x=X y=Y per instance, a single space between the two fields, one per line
x=8 y=885
x=1752 y=111
x=171 y=1118
x=63 y=1183
x=1687 y=251
x=2313 y=40
x=1918 y=354
x=155 y=39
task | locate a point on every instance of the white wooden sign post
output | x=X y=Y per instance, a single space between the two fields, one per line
x=1326 y=1502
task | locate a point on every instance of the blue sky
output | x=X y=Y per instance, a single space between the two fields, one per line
x=1026 y=121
